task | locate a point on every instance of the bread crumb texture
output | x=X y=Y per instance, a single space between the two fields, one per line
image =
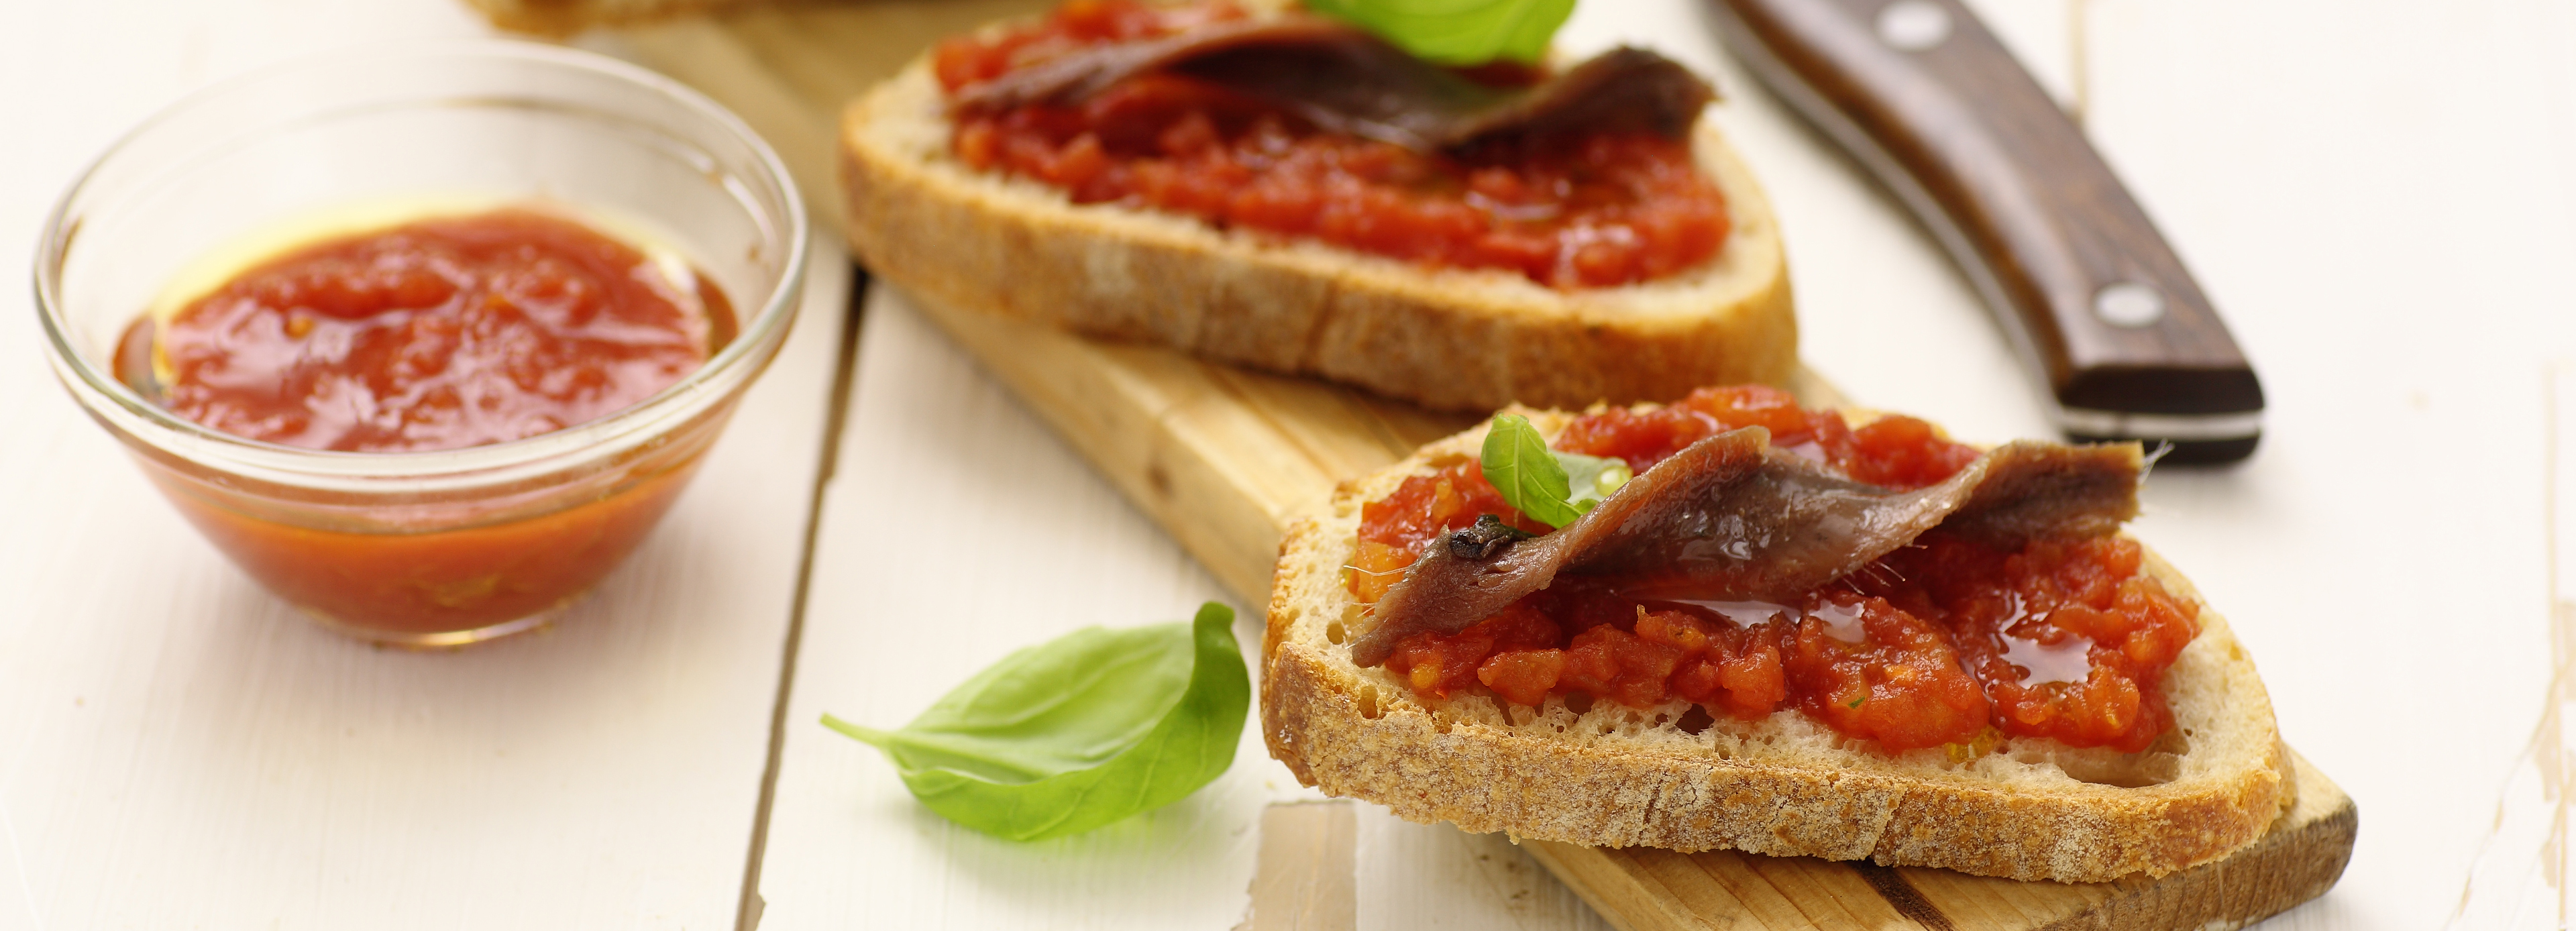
x=1613 y=776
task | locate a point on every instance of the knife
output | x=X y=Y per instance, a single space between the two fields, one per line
x=2095 y=302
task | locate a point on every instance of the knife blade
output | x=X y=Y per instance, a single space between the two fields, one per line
x=2095 y=302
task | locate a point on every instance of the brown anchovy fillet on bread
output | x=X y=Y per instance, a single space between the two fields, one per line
x=1345 y=80
x=1446 y=338
x=1767 y=524
x=1785 y=785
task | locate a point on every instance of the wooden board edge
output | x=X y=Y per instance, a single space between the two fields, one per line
x=2298 y=860
x=1174 y=433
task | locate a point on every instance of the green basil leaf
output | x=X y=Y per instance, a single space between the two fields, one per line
x=1549 y=486
x=1457 y=32
x=1075 y=733
x=1518 y=463
x=1593 y=478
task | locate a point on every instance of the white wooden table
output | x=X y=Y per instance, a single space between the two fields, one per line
x=2379 y=195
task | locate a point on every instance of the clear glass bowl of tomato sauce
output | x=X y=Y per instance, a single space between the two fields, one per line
x=451 y=546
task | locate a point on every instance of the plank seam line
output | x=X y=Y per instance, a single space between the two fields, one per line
x=1675 y=909
x=1901 y=895
x=1375 y=420
x=1224 y=380
x=835 y=412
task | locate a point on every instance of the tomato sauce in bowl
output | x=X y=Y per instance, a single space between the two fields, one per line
x=420 y=353
x=426 y=336
x=442 y=333
x=1949 y=642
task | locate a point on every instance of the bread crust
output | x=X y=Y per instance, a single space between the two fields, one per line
x=560 y=18
x=1452 y=339
x=1784 y=786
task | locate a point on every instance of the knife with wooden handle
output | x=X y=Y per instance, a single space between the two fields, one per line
x=1925 y=97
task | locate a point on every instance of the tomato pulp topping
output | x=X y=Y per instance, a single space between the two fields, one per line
x=1569 y=211
x=436 y=334
x=1932 y=645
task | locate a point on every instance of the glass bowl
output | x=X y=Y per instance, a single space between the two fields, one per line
x=426 y=548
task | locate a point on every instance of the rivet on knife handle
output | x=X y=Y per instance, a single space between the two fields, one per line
x=1925 y=97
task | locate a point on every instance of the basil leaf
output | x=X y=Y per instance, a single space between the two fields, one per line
x=1075 y=733
x=1518 y=463
x=1593 y=478
x=1457 y=32
x=1551 y=487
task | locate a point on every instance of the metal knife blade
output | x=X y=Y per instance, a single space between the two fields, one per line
x=2094 y=300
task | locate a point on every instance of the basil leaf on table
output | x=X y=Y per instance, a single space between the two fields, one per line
x=1075 y=733
x=1457 y=32
x=1551 y=487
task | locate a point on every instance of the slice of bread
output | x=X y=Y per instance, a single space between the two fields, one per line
x=1444 y=338
x=1786 y=785
x=558 y=18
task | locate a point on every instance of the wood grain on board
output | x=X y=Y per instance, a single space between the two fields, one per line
x=1219 y=457
x=1658 y=890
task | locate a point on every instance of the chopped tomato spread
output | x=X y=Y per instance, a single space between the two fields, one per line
x=1932 y=645
x=440 y=333
x=1586 y=210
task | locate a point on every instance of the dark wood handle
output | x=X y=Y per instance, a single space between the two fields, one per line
x=1921 y=93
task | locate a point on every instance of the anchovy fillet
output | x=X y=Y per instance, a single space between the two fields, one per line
x=1733 y=519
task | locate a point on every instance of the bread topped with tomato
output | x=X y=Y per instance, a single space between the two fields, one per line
x=1271 y=188
x=1735 y=623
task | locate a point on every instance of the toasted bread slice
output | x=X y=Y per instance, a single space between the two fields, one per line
x=1449 y=338
x=556 y=18
x=1786 y=785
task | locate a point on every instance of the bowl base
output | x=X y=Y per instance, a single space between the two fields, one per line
x=442 y=639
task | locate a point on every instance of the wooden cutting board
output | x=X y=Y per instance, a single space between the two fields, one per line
x=1221 y=457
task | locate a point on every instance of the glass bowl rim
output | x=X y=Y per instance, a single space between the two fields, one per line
x=754 y=341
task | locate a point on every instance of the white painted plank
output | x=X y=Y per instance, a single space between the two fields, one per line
x=2377 y=195
x=178 y=749
x=2517 y=878
x=1434 y=877
x=956 y=530
x=174 y=725
x=2336 y=173
x=186 y=749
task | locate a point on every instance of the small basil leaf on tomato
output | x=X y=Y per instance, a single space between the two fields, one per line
x=1457 y=32
x=1078 y=732
x=1592 y=478
x=1518 y=464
